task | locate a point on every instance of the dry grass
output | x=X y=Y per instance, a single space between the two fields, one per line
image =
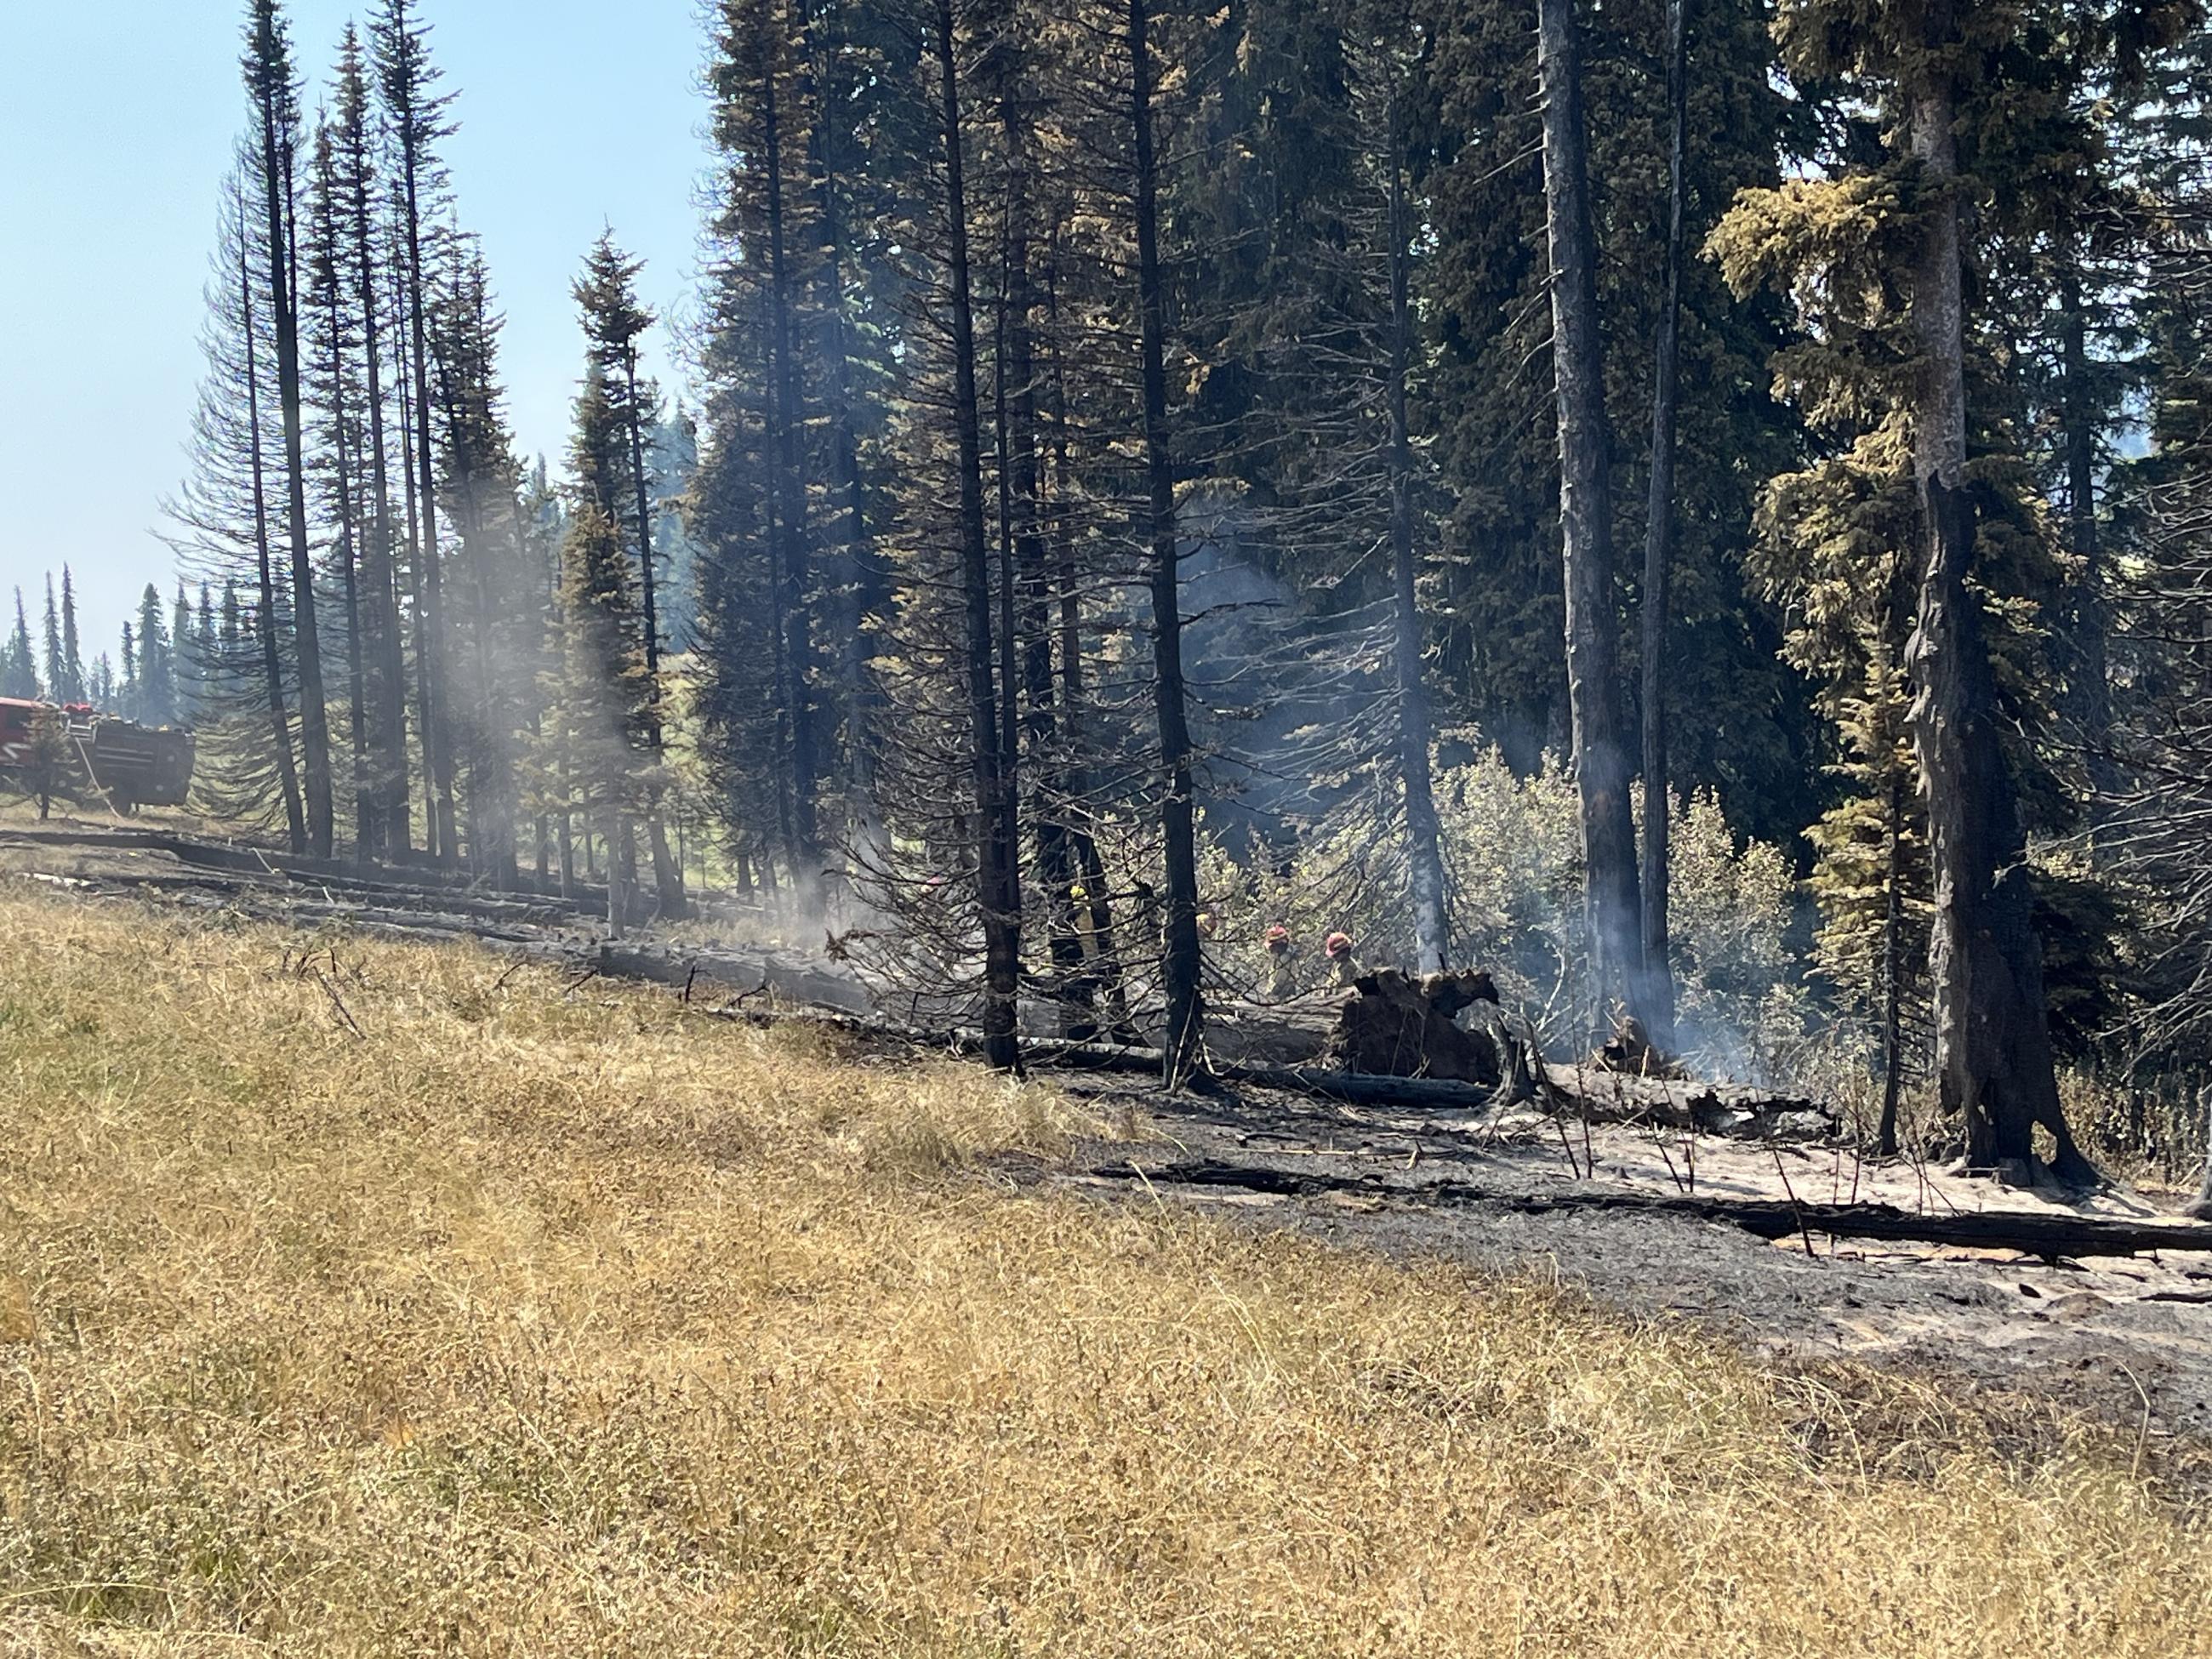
x=542 y=1324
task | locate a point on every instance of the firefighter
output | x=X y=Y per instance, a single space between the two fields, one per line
x=1337 y=947
x=1277 y=942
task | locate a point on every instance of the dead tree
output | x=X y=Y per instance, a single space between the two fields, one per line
x=1180 y=960
x=999 y=893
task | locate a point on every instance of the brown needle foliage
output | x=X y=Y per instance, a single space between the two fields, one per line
x=527 y=1322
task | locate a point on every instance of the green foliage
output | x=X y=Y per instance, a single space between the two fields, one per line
x=1513 y=867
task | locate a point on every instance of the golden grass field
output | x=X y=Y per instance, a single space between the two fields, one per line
x=535 y=1323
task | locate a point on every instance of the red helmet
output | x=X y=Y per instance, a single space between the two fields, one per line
x=1278 y=936
x=1338 y=944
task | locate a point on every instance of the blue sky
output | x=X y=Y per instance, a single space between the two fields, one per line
x=116 y=123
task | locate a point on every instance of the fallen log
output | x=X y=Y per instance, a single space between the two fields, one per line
x=2031 y=1232
x=1720 y=1109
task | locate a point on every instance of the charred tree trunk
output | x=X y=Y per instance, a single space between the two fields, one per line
x=404 y=393
x=272 y=664
x=1993 y=1059
x=1424 y=861
x=430 y=630
x=863 y=584
x=390 y=831
x=1180 y=959
x=1658 y=551
x=667 y=874
x=790 y=493
x=314 y=716
x=1893 y=963
x=350 y=571
x=2092 y=697
x=1091 y=910
x=998 y=893
x=1608 y=835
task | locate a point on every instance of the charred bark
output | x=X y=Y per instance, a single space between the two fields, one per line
x=1611 y=901
x=998 y=895
x=272 y=665
x=1658 y=551
x=1180 y=958
x=1993 y=1059
x=276 y=161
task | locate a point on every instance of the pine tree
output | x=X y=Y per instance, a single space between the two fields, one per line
x=19 y=669
x=611 y=461
x=358 y=188
x=1880 y=249
x=605 y=690
x=70 y=687
x=157 y=681
x=267 y=68
x=1612 y=904
x=417 y=118
x=57 y=678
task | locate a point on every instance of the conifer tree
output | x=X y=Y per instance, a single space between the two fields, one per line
x=157 y=683
x=19 y=669
x=270 y=81
x=604 y=691
x=611 y=458
x=1601 y=758
x=57 y=678
x=417 y=118
x=70 y=687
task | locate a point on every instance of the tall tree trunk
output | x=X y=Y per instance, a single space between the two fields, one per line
x=1424 y=862
x=1611 y=901
x=408 y=412
x=1180 y=962
x=667 y=875
x=430 y=627
x=314 y=717
x=364 y=803
x=272 y=666
x=789 y=488
x=1048 y=790
x=998 y=893
x=2092 y=697
x=1993 y=1061
x=1659 y=548
x=390 y=831
x=863 y=584
x=1893 y=959
x=1091 y=910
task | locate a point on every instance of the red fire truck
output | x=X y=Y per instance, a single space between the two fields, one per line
x=104 y=757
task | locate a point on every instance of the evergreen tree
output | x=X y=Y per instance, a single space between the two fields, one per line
x=71 y=686
x=610 y=460
x=157 y=680
x=57 y=678
x=605 y=691
x=272 y=85
x=19 y=669
x=415 y=118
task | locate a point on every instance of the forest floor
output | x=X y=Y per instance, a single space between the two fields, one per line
x=361 y=1295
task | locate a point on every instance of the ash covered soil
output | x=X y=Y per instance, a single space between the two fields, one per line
x=2129 y=1338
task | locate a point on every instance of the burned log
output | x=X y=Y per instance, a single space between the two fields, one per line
x=2031 y=1232
x=1396 y=1025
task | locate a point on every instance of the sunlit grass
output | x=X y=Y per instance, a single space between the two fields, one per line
x=534 y=1322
